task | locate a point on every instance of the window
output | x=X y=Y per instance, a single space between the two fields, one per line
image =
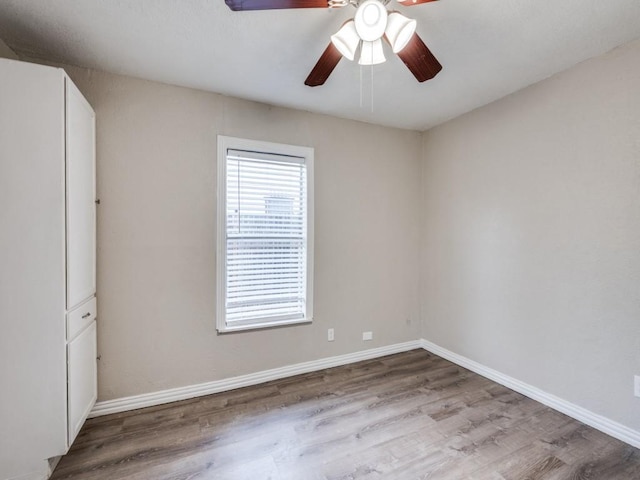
x=265 y=234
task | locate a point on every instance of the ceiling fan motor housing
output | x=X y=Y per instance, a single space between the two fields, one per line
x=371 y=20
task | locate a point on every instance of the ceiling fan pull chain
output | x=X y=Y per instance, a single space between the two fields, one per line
x=371 y=88
x=361 y=86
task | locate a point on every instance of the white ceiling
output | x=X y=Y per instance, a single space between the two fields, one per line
x=489 y=48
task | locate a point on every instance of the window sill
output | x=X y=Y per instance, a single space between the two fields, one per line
x=263 y=325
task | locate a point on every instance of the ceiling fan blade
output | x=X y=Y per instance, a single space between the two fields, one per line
x=241 y=5
x=409 y=3
x=327 y=62
x=419 y=59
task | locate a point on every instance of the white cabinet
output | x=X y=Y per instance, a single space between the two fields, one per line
x=82 y=387
x=81 y=196
x=48 y=308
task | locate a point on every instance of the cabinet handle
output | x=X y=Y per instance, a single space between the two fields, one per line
x=86 y=315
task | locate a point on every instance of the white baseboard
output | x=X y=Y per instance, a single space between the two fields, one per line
x=182 y=393
x=610 y=427
x=32 y=476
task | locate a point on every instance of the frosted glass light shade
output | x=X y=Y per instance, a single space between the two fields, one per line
x=399 y=31
x=346 y=40
x=371 y=20
x=371 y=53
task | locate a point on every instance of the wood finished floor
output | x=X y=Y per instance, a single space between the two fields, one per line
x=407 y=416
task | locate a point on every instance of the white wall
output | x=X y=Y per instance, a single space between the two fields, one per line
x=156 y=169
x=531 y=235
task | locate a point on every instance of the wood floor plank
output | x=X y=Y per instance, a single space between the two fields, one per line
x=406 y=416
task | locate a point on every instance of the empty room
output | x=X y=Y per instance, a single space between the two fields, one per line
x=319 y=240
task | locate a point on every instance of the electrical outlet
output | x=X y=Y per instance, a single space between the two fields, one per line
x=636 y=385
x=366 y=336
x=330 y=335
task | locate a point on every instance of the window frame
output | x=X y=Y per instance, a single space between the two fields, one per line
x=226 y=143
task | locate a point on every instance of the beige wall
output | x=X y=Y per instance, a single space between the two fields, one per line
x=6 y=52
x=156 y=167
x=531 y=235
x=528 y=227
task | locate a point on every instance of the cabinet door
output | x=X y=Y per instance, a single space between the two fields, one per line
x=81 y=196
x=81 y=379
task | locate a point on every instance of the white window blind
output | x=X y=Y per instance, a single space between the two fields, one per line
x=265 y=244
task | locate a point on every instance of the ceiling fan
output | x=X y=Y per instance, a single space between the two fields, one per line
x=371 y=23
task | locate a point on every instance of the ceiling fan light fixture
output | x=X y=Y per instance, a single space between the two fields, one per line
x=399 y=31
x=346 y=40
x=371 y=20
x=371 y=53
